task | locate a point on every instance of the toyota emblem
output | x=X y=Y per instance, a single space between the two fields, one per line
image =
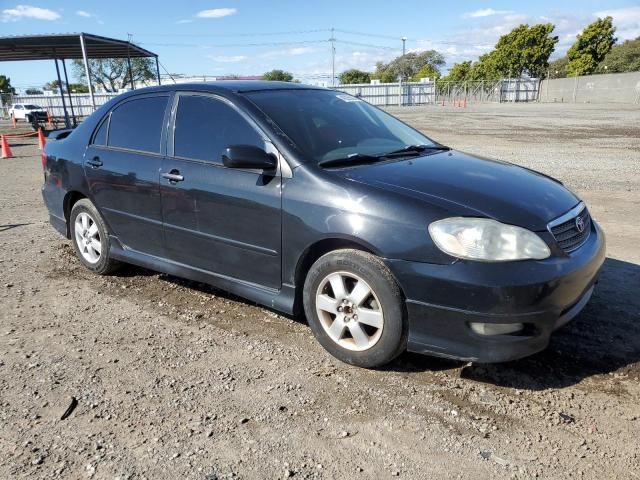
x=579 y=224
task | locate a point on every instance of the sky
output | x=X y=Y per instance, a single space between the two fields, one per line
x=249 y=37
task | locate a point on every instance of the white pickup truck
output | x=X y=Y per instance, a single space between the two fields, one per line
x=28 y=112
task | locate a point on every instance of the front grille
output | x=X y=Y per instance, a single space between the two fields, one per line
x=566 y=232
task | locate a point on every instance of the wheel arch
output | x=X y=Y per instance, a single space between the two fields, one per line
x=70 y=199
x=312 y=253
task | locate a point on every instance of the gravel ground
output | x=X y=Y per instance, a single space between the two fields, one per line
x=177 y=380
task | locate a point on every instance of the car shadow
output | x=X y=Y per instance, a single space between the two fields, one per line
x=4 y=228
x=603 y=338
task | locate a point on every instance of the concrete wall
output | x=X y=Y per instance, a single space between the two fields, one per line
x=607 y=88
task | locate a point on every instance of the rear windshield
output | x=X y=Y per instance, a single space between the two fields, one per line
x=325 y=124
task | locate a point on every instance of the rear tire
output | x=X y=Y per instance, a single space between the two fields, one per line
x=90 y=238
x=355 y=308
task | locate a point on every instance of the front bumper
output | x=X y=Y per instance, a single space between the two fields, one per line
x=443 y=300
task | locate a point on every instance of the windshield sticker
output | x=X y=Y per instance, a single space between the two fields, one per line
x=348 y=98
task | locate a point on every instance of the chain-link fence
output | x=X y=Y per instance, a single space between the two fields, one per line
x=79 y=104
x=381 y=94
x=420 y=93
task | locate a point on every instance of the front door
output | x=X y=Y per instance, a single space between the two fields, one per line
x=222 y=220
x=122 y=166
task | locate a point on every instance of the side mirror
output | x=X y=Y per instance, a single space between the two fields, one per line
x=248 y=156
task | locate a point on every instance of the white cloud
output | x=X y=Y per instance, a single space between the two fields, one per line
x=293 y=51
x=20 y=12
x=216 y=13
x=85 y=14
x=228 y=58
x=487 y=12
x=184 y=21
x=626 y=21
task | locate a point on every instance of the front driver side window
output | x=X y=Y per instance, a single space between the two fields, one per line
x=206 y=126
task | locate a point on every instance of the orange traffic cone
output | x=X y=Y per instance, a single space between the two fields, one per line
x=13 y=120
x=6 y=150
x=42 y=141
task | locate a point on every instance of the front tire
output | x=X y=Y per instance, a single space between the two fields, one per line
x=355 y=308
x=90 y=238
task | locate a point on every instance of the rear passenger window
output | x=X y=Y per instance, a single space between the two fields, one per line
x=137 y=124
x=206 y=126
x=100 y=138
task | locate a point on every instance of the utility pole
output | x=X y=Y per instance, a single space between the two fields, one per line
x=404 y=40
x=333 y=59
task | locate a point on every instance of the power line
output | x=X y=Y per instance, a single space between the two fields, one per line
x=368 y=45
x=363 y=34
x=233 y=45
x=221 y=35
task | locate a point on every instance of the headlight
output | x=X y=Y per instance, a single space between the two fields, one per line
x=486 y=240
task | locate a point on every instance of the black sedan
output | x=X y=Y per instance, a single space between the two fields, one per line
x=309 y=200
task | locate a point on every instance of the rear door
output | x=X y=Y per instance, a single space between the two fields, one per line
x=222 y=220
x=122 y=166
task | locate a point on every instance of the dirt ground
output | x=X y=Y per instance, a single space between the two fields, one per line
x=177 y=380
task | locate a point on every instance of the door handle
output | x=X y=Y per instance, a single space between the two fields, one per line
x=173 y=176
x=95 y=162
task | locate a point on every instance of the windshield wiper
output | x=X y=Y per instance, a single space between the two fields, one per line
x=363 y=158
x=352 y=159
x=414 y=149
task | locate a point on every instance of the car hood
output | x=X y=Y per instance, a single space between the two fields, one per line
x=470 y=185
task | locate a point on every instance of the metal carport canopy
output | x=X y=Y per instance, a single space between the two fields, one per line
x=67 y=46
x=71 y=46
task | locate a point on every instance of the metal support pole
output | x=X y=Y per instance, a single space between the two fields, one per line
x=404 y=40
x=66 y=80
x=158 y=70
x=333 y=59
x=87 y=71
x=133 y=87
x=64 y=104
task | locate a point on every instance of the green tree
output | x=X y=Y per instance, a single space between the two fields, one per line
x=112 y=74
x=525 y=50
x=407 y=66
x=590 y=47
x=354 y=76
x=459 y=72
x=485 y=69
x=558 y=68
x=78 y=88
x=5 y=85
x=278 y=76
x=428 y=71
x=53 y=86
x=624 y=57
x=33 y=91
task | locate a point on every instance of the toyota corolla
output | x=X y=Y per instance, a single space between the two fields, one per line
x=314 y=202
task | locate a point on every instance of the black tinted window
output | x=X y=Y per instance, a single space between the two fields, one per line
x=137 y=124
x=100 y=138
x=206 y=126
x=326 y=124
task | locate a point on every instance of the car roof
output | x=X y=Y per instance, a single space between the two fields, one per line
x=232 y=86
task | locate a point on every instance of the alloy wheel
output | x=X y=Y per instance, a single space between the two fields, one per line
x=349 y=311
x=87 y=237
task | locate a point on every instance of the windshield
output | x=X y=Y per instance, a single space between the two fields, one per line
x=327 y=125
x=32 y=107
